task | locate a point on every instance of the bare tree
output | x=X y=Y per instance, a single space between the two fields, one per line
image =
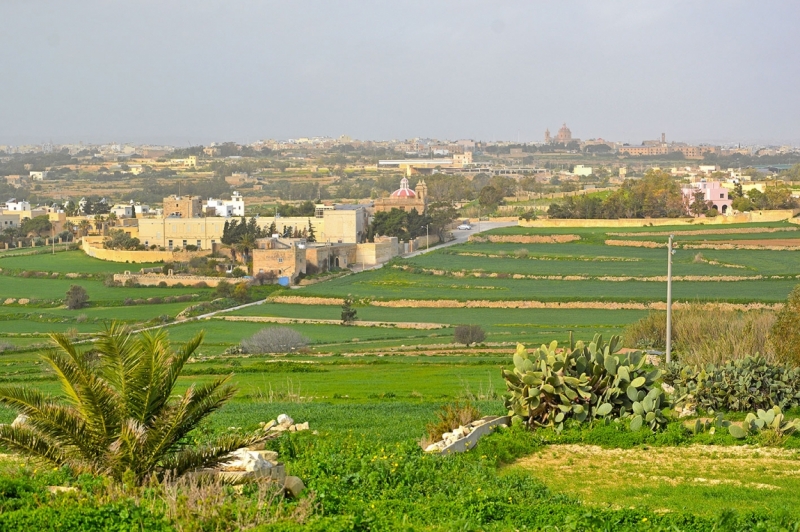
x=274 y=340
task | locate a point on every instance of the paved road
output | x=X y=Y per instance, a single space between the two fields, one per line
x=463 y=236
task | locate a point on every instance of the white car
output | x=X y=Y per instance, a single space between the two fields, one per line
x=465 y=227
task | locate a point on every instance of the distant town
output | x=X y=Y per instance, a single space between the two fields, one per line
x=289 y=208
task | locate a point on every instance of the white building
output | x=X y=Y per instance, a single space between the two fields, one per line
x=14 y=205
x=226 y=208
x=39 y=176
x=141 y=209
x=122 y=210
x=582 y=170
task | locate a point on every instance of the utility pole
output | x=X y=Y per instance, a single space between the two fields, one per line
x=669 y=299
x=427 y=237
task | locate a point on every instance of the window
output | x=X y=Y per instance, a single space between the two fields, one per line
x=184 y=243
x=722 y=196
x=280 y=259
x=199 y=245
x=170 y=245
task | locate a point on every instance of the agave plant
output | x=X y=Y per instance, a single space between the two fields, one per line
x=117 y=415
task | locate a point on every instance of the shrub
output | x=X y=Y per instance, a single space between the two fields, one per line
x=223 y=289
x=162 y=284
x=550 y=387
x=241 y=292
x=741 y=385
x=274 y=340
x=702 y=337
x=81 y=318
x=76 y=297
x=521 y=253
x=469 y=334
x=269 y=277
x=238 y=272
x=201 y=284
x=785 y=332
x=130 y=283
x=349 y=314
x=128 y=302
x=119 y=430
x=449 y=417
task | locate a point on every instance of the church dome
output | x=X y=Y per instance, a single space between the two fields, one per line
x=404 y=191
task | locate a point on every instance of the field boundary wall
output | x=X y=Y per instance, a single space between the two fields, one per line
x=751 y=217
x=154 y=279
x=93 y=247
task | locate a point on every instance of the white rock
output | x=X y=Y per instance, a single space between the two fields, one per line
x=284 y=419
x=302 y=426
x=19 y=420
x=245 y=460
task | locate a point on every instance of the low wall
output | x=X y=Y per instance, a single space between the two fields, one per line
x=751 y=217
x=93 y=246
x=422 y=242
x=372 y=253
x=154 y=279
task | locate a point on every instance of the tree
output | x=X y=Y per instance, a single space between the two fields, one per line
x=84 y=226
x=223 y=289
x=785 y=333
x=489 y=197
x=469 y=334
x=119 y=239
x=76 y=297
x=117 y=415
x=274 y=340
x=698 y=205
x=311 y=236
x=241 y=292
x=348 y=312
x=37 y=226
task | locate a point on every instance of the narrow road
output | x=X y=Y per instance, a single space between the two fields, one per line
x=463 y=235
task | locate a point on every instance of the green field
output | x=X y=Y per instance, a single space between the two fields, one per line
x=68 y=262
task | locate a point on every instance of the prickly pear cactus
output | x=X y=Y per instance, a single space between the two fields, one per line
x=584 y=382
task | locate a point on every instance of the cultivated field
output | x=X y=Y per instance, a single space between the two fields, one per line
x=371 y=391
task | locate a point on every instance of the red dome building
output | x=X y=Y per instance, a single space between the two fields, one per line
x=404 y=198
x=404 y=191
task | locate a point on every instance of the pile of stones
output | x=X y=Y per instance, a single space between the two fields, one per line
x=255 y=462
x=449 y=438
x=282 y=424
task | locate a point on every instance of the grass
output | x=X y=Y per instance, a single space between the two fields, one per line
x=68 y=262
x=698 y=479
x=387 y=284
x=52 y=289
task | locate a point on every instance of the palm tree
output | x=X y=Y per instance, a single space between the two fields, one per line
x=84 y=226
x=117 y=415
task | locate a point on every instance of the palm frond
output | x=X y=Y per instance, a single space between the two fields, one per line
x=209 y=455
x=90 y=394
x=118 y=357
x=197 y=403
x=178 y=360
x=31 y=442
x=150 y=395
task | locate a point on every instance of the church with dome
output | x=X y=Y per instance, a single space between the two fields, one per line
x=404 y=198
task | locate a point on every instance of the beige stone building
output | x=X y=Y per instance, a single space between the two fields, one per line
x=331 y=223
x=183 y=206
x=283 y=258
x=174 y=232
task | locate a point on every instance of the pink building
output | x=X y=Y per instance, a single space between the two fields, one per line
x=713 y=191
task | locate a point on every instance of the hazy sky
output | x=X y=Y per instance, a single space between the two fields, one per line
x=196 y=71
